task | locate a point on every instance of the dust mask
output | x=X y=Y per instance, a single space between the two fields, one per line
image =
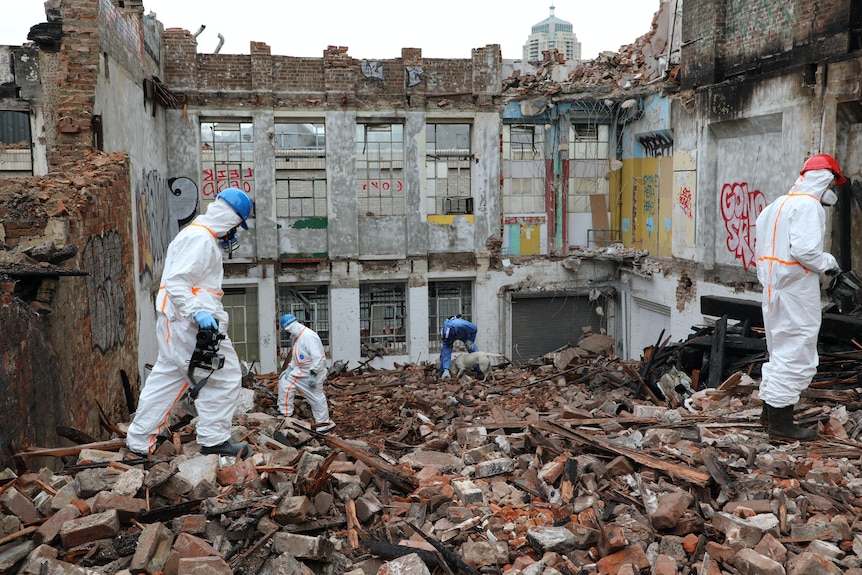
x=829 y=198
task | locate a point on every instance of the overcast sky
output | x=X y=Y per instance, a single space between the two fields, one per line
x=377 y=29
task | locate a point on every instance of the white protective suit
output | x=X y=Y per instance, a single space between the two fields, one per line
x=307 y=355
x=790 y=259
x=191 y=282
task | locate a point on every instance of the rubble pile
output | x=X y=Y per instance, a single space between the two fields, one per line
x=577 y=463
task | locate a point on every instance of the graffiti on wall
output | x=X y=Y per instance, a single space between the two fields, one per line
x=414 y=75
x=685 y=202
x=657 y=144
x=162 y=207
x=220 y=178
x=650 y=184
x=103 y=258
x=739 y=209
x=384 y=185
x=372 y=69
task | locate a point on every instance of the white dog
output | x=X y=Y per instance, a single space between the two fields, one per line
x=480 y=359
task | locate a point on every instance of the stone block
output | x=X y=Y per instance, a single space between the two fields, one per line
x=195 y=524
x=468 y=492
x=127 y=507
x=12 y=553
x=302 y=546
x=19 y=505
x=90 y=528
x=187 y=546
x=750 y=562
x=49 y=530
x=295 y=509
x=495 y=467
x=670 y=508
x=153 y=550
x=241 y=472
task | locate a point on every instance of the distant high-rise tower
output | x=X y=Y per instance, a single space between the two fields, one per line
x=552 y=33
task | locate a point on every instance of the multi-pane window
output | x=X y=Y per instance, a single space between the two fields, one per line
x=243 y=329
x=16 y=158
x=300 y=170
x=588 y=157
x=524 y=142
x=524 y=188
x=447 y=168
x=383 y=317
x=446 y=299
x=380 y=169
x=227 y=158
x=310 y=305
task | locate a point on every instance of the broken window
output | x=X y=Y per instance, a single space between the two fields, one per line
x=524 y=188
x=300 y=170
x=380 y=169
x=227 y=158
x=16 y=157
x=383 y=317
x=446 y=299
x=310 y=305
x=588 y=157
x=447 y=168
x=243 y=328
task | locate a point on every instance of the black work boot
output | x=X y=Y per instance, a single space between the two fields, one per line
x=764 y=416
x=781 y=425
x=241 y=449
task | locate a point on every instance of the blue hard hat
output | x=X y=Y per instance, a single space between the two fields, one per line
x=239 y=201
x=287 y=319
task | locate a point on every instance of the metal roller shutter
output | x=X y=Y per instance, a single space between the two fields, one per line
x=544 y=323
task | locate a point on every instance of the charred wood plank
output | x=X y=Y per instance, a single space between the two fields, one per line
x=676 y=471
x=391 y=551
x=391 y=473
x=716 y=354
x=167 y=513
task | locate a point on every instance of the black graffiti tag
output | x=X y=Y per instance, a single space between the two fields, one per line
x=103 y=258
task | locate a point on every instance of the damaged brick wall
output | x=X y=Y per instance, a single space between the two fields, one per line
x=58 y=362
x=720 y=40
x=227 y=78
x=76 y=80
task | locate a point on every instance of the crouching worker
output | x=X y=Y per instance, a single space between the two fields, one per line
x=306 y=372
x=455 y=329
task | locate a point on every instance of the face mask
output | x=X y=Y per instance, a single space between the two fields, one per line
x=229 y=243
x=829 y=198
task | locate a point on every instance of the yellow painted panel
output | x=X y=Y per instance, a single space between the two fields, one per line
x=531 y=235
x=449 y=219
x=646 y=205
x=625 y=205
x=665 y=212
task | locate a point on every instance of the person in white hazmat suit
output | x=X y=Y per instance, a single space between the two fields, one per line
x=790 y=259
x=189 y=298
x=306 y=372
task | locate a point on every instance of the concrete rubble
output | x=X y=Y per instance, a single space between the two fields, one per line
x=568 y=465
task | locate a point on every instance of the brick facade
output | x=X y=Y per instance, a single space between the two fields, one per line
x=336 y=79
x=723 y=39
x=48 y=377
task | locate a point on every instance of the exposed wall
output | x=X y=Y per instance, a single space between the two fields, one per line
x=61 y=366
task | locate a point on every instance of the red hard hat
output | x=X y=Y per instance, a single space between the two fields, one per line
x=824 y=162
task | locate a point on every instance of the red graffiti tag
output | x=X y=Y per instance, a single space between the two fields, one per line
x=685 y=202
x=740 y=208
x=216 y=180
